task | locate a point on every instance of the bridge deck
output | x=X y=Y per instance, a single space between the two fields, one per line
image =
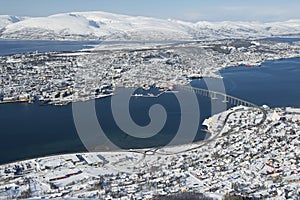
x=213 y=94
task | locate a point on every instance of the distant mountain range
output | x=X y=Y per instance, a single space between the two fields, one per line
x=109 y=26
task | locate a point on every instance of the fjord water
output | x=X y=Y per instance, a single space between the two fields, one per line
x=31 y=130
x=275 y=83
x=8 y=47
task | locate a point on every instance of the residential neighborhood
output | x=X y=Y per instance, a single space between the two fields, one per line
x=60 y=78
x=251 y=153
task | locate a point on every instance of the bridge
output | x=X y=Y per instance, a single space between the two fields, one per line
x=214 y=95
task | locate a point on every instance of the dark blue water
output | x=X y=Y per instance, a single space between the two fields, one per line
x=8 y=47
x=275 y=83
x=30 y=130
x=283 y=39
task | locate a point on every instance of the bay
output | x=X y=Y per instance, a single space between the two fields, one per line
x=31 y=130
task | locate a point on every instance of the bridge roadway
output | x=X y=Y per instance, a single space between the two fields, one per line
x=215 y=94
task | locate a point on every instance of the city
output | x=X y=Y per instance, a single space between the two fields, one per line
x=60 y=78
x=150 y=100
x=254 y=155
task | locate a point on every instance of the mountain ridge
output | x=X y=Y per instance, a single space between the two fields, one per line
x=98 y=25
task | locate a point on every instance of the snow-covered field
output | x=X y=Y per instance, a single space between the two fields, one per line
x=109 y=26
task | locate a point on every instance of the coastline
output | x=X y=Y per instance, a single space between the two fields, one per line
x=226 y=158
x=122 y=74
x=63 y=102
x=211 y=130
x=196 y=168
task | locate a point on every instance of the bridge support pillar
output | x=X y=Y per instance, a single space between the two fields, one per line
x=225 y=99
x=214 y=96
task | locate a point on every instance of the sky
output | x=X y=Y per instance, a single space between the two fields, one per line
x=188 y=10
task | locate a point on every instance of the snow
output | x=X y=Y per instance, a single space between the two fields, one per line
x=50 y=163
x=92 y=159
x=5 y=20
x=96 y=25
x=109 y=26
x=126 y=172
x=293 y=110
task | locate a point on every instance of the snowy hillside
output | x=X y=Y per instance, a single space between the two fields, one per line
x=6 y=20
x=108 y=26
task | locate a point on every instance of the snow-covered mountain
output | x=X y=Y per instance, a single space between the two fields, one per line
x=5 y=20
x=108 y=26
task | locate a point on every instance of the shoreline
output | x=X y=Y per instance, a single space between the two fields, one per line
x=163 y=56
x=109 y=151
x=64 y=102
x=193 y=145
x=226 y=160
